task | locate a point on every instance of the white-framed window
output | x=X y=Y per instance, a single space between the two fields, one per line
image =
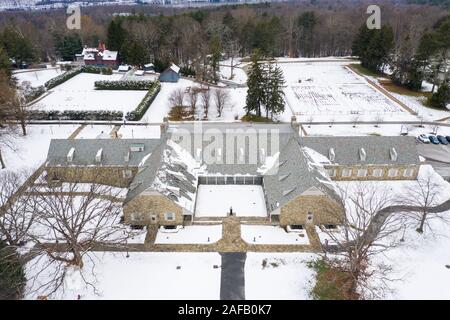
x=377 y=172
x=346 y=172
x=169 y=216
x=331 y=172
x=392 y=172
x=362 y=172
x=408 y=172
x=136 y=216
x=127 y=174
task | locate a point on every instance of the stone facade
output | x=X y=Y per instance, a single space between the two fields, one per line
x=151 y=208
x=321 y=208
x=112 y=176
x=383 y=173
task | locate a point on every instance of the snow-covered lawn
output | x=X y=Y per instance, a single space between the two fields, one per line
x=277 y=276
x=30 y=151
x=78 y=93
x=92 y=131
x=370 y=129
x=191 y=235
x=139 y=132
x=37 y=77
x=420 y=261
x=152 y=276
x=216 y=201
x=254 y=234
x=328 y=88
x=239 y=75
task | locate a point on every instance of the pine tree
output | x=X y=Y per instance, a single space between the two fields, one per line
x=116 y=35
x=255 y=81
x=441 y=97
x=274 y=95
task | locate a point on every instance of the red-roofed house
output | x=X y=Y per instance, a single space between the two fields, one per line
x=99 y=56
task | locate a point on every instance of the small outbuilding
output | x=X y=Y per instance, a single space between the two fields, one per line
x=171 y=74
x=149 y=67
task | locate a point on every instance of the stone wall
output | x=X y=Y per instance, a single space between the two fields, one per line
x=139 y=211
x=370 y=168
x=112 y=176
x=324 y=210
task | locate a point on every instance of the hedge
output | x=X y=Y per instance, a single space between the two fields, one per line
x=76 y=115
x=123 y=85
x=73 y=72
x=143 y=106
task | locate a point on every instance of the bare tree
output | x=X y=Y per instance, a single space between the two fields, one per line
x=193 y=97
x=354 y=245
x=424 y=193
x=221 y=99
x=17 y=210
x=176 y=98
x=205 y=96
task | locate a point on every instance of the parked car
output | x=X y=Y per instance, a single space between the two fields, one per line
x=433 y=139
x=423 y=138
x=442 y=139
x=448 y=138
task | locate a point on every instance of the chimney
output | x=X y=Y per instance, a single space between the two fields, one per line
x=295 y=126
x=164 y=126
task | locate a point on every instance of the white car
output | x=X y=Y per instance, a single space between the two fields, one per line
x=423 y=138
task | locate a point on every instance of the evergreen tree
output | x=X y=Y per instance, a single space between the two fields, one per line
x=255 y=92
x=17 y=46
x=441 y=98
x=373 y=47
x=5 y=64
x=68 y=45
x=116 y=35
x=274 y=96
x=306 y=23
x=12 y=275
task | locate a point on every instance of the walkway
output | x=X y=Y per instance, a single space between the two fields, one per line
x=232 y=282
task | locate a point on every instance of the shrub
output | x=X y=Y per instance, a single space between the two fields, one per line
x=100 y=115
x=188 y=72
x=34 y=93
x=12 y=275
x=143 y=106
x=441 y=97
x=123 y=85
x=63 y=77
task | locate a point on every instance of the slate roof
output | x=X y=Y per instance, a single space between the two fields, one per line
x=113 y=154
x=283 y=159
x=377 y=149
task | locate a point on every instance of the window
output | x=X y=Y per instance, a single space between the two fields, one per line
x=377 y=172
x=169 y=216
x=362 y=172
x=331 y=172
x=330 y=226
x=296 y=226
x=408 y=172
x=309 y=217
x=153 y=218
x=346 y=172
x=137 y=147
x=392 y=172
x=127 y=174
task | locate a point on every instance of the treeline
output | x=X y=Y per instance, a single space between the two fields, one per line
x=410 y=61
x=187 y=36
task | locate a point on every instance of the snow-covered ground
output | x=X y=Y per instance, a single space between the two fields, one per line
x=37 y=77
x=191 y=235
x=139 y=132
x=30 y=151
x=216 y=201
x=95 y=132
x=254 y=234
x=329 y=88
x=239 y=75
x=154 y=276
x=277 y=276
x=420 y=261
x=362 y=130
x=78 y=93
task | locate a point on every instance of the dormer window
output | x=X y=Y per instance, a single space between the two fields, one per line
x=126 y=158
x=362 y=154
x=331 y=154
x=70 y=155
x=286 y=192
x=98 y=156
x=393 y=154
x=137 y=147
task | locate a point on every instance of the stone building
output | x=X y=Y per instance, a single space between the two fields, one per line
x=296 y=174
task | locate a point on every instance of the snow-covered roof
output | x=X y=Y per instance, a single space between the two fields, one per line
x=106 y=55
x=109 y=55
x=175 y=68
x=123 y=68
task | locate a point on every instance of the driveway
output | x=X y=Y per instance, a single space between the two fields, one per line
x=232 y=283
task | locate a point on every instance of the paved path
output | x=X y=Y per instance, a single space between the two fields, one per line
x=232 y=282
